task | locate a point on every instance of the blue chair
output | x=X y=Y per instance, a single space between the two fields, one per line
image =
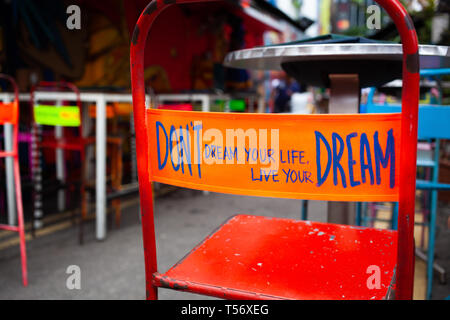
x=433 y=126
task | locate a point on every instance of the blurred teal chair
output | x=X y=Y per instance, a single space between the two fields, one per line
x=433 y=126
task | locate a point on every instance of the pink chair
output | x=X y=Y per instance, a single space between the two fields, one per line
x=9 y=113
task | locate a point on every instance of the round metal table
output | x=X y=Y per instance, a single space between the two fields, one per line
x=343 y=67
x=311 y=64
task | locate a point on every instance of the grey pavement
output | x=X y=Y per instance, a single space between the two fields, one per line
x=114 y=268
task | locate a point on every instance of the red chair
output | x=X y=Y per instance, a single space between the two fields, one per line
x=9 y=113
x=251 y=257
x=70 y=117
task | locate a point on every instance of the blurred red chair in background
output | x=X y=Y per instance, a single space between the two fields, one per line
x=64 y=116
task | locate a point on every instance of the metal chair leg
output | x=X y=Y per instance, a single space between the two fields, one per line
x=394 y=222
x=304 y=209
x=432 y=225
x=358 y=213
x=23 y=252
x=84 y=205
x=117 y=179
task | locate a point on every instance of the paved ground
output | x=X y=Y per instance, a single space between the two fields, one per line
x=114 y=269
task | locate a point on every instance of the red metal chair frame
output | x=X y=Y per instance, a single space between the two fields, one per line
x=14 y=153
x=73 y=144
x=410 y=99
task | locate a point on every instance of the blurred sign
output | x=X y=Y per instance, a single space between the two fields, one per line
x=64 y=116
x=8 y=112
x=93 y=111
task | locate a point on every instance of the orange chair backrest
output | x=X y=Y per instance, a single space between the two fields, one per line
x=320 y=157
x=9 y=111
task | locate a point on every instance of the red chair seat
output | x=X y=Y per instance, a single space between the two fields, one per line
x=74 y=143
x=251 y=257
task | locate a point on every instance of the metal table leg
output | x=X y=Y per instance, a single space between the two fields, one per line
x=344 y=98
x=60 y=166
x=9 y=171
x=100 y=166
x=9 y=168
